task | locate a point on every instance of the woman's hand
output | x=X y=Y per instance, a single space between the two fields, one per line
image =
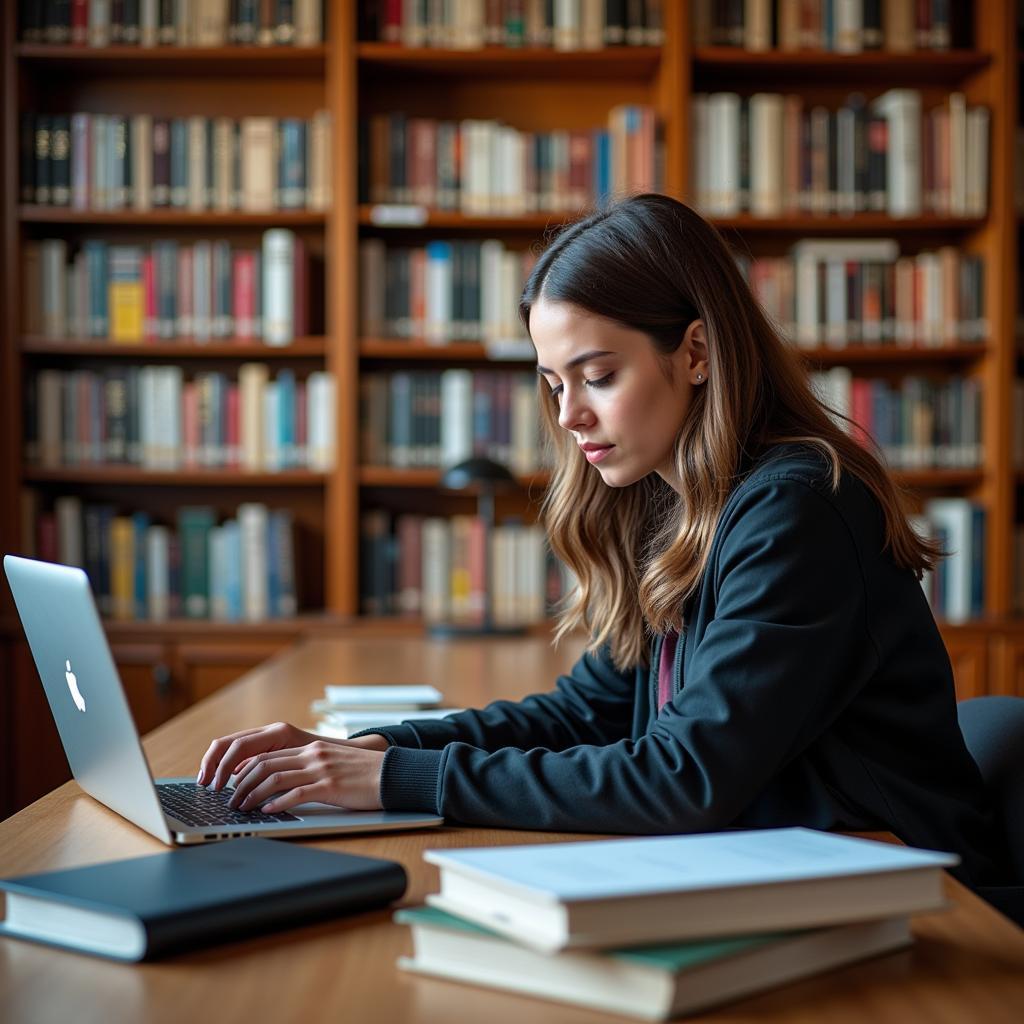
x=296 y=765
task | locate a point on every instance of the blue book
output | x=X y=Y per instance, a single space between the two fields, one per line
x=140 y=526
x=97 y=273
x=232 y=541
x=632 y=891
x=147 y=907
x=286 y=417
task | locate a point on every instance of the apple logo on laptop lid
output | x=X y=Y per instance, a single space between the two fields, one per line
x=76 y=694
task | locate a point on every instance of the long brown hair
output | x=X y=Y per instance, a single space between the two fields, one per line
x=652 y=264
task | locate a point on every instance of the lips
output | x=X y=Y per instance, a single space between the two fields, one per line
x=596 y=452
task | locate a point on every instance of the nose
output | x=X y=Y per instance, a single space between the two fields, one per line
x=573 y=411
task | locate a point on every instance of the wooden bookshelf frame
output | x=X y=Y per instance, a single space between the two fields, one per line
x=667 y=76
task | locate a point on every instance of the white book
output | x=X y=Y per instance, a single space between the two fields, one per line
x=141 y=129
x=202 y=291
x=319 y=161
x=632 y=891
x=321 y=429
x=158 y=559
x=652 y=982
x=766 y=113
x=955 y=517
x=438 y=297
x=196 y=188
x=436 y=560
x=456 y=416
x=342 y=725
x=700 y=153
x=491 y=313
x=99 y=182
x=978 y=127
x=377 y=697
x=252 y=523
x=258 y=166
x=148 y=22
x=99 y=23
x=724 y=125
x=902 y=110
x=308 y=22
x=849 y=25
x=211 y=23
x=567 y=24
x=80 y=163
x=278 y=286
x=170 y=384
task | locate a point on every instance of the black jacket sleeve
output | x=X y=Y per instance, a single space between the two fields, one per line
x=593 y=704
x=787 y=649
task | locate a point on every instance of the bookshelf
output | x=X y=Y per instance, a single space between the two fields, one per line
x=534 y=90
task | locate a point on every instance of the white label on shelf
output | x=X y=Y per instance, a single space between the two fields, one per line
x=398 y=214
x=510 y=348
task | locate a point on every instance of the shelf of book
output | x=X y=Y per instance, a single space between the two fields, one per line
x=388 y=215
x=182 y=348
x=630 y=62
x=172 y=218
x=185 y=61
x=135 y=477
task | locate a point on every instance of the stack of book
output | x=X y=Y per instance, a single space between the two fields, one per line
x=345 y=710
x=657 y=927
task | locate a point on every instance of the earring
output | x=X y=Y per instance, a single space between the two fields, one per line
x=700 y=377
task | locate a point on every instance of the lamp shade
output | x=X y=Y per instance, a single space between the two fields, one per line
x=476 y=471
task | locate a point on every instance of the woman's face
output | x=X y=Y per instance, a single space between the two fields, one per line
x=612 y=390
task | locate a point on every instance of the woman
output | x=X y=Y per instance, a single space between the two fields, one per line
x=761 y=652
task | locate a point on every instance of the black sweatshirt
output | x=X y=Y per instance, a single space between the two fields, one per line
x=810 y=687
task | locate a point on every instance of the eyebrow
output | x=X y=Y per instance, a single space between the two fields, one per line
x=577 y=360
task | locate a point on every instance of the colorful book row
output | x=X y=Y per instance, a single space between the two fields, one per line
x=474 y=24
x=775 y=155
x=443 y=292
x=412 y=419
x=140 y=162
x=154 y=418
x=486 y=168
x=241 y=569
x=918 y=423
x=436 y=568
x=166 y=289
x=172 y=22
x=843 y=26
x=849 y=291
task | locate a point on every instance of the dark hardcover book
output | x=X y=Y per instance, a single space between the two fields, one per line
x=27 y=151
x=162 y=903
x=614 y=22
x=58 y=22
x=42 y=151
x=194 y=526
x=247 y=25
x=32 y=21
x=284 y=30
x=132 y=30
x=79 y=22
x=115 y=394
x=161 y=185
x=167 y=34
x=179 y=162
x=117 y=22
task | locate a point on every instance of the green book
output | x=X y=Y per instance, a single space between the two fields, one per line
x=194 y=526
x=654 y=982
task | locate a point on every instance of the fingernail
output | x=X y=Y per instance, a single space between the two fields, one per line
x=267 y=808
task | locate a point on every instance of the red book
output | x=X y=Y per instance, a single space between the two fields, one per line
x=233 y=426
x=860 y=410
x=410 y=564
x=79 y=22
x=243 y=292
x=477 y=568
x=46 y=538
x=391 y=30
x=579 y=168
x=149 y=323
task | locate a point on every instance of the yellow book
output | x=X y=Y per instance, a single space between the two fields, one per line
x=126 y=311
x=122 y=568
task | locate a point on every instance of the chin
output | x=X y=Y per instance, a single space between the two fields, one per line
x=619 y=476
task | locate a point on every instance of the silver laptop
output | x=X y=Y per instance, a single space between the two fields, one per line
x=102 y=744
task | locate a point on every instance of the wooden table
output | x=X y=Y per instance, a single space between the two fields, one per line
x=966 y=965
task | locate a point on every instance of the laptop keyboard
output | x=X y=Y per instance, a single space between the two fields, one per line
x=198 y=806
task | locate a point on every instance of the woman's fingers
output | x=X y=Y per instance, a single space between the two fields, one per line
x=215 y=753
x=263 y=769
x=312 y=792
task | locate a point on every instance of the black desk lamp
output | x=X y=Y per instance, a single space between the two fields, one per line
x=486 y=476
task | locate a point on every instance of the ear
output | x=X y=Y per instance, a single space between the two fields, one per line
x=693 y=353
